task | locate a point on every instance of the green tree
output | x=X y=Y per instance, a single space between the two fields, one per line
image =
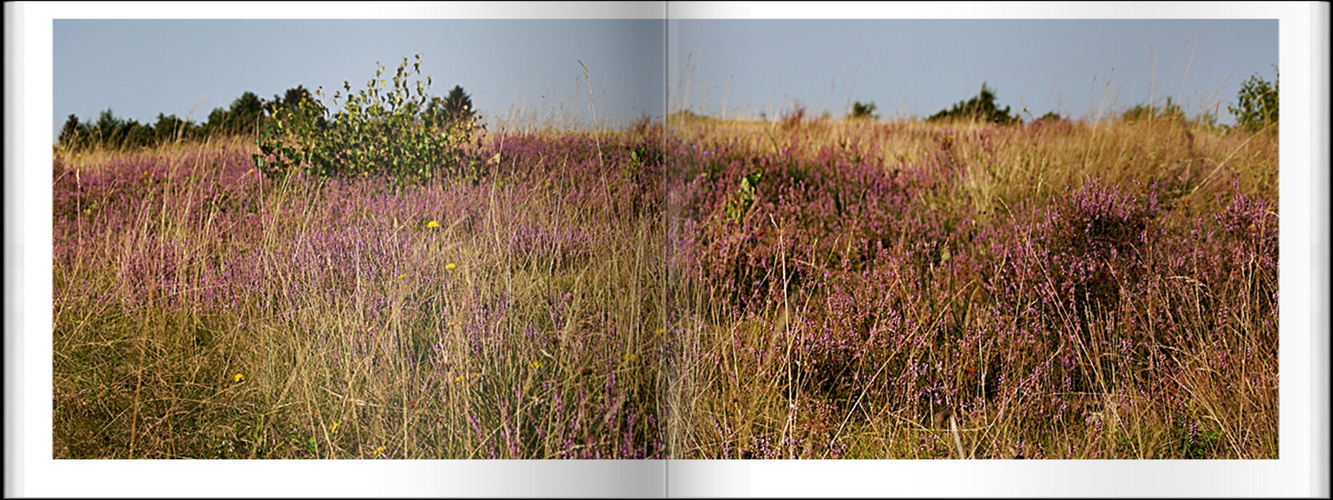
x=245 y=113
x=863 y=110
x=74 y=135
x=458 y=105
x=979 y=108
x=242 y=117
x=1257 y=105
x=170 y=128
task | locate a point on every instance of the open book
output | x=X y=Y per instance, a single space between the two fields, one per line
x=668 y=249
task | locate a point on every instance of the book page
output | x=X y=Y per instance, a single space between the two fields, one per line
x=329 y=250
x=976 y=250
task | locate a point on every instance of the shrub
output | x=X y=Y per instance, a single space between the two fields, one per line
x=863 y=110
x=1148 y=112
x=1257 y=106
x=1096 y=238
x=979 y=108
x=401 y=133
x=1052 y=117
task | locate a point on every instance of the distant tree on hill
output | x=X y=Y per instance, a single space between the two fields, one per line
x=241 y=118
x=74 y=135
x=979 y=108
x=116 y=132
x=863 y=110
x=458 y=104
x=293 y=98
x=170 y=128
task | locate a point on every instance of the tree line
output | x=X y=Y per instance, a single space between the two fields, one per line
x=244 y=117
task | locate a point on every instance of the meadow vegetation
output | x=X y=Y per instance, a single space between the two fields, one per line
x=202 y=310
x=965 y=289
x=703 y=288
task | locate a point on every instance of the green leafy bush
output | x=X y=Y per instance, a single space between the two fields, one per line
x=398 y=132
x=1257 y=106
x=979 y=108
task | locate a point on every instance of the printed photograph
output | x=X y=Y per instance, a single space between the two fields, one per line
x=973 y=239
x=387 y=239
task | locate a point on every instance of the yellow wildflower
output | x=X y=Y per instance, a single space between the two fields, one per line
x=630 y=357
x=401 y=276
x=451 y=265
x=239 y=377
x=334 y=429
x=433 y=224
x=459 y=379
x=660 y=331
x=536 y=364
x=379 y=450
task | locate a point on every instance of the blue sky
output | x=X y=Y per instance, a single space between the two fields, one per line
x=915 y=67
x=530 y=68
